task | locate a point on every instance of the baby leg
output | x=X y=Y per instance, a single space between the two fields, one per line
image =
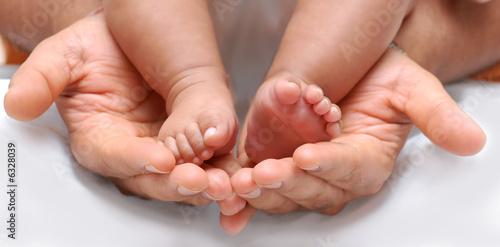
x=174 y=48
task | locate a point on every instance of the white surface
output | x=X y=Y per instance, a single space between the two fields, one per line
x=432 y=199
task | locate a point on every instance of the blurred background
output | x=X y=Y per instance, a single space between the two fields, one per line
x=2 y=54
x=11 y=55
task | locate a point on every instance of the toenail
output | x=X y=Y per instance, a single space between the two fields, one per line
x=334 y=114
x=206 y=154
x=337 y=109
x=153 y=169
x=197 y=160
x=273 y=186
x=210 y=132
x=186 y=192
x=251 y=195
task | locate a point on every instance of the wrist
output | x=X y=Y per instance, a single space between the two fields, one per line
x=73 y=13
x=452 y=41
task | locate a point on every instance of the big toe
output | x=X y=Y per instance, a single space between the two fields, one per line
x=287 y=92
x=219 y=128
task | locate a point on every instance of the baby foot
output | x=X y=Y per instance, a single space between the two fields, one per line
x=202 y=124
x=286 y=114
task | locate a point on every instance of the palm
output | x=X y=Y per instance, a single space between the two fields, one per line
x=373 y=114
x=378 y=115
x=108 y=97
x=112 y=117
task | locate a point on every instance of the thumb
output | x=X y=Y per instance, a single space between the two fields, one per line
x=54 y=64
x=39 y=81
x=440 y=118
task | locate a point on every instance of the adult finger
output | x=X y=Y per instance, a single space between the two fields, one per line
x=236 y=223
x=55 y=63
x=359 y=164
x=437 y=115
x=219 y=184
x=111 y=152
x=229 y=164
x=183 y=184
x=39 y=81
x=260 y=197
x=309 y=191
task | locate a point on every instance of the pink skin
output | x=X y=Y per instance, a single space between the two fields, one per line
x=286 y=114
x=196 y=130
x=179 y=59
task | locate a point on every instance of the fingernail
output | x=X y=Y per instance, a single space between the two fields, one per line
x=186 y=192
x=210 y=132
x=314 y=168
x=251 y=195
x=153 y=169
x=181 y=161
x=161 y=143
x=10 y=84
x=206 y=195
x=272 y=186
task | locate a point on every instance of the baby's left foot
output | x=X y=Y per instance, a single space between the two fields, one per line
x=287 y=113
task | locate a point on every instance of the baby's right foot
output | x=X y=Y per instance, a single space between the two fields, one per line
x=287 y=113
x=202 y=123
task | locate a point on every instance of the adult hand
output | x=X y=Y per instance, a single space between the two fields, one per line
x=377 y=117
x=111 y=115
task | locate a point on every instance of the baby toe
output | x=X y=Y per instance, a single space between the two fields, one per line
x=184 y=147
x=334 y=114
x=322 y=107
x=218 y=127
x=334 y=129
x=313 y=94
x=286 y=92
x=195 y=139
x=171 y=144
